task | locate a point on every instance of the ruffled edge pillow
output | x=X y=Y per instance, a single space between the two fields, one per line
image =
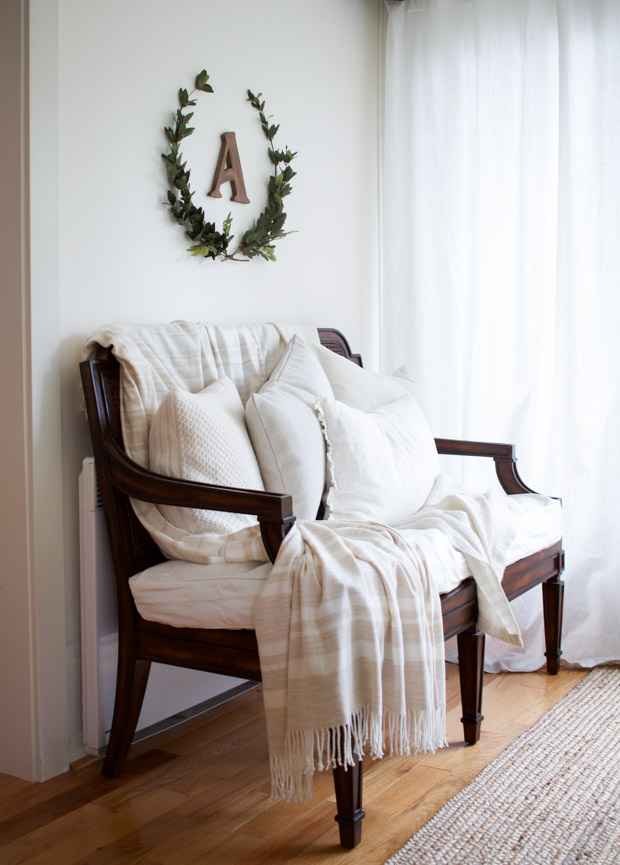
x=382 y=457
x=381 y=464
x=285 y=431
x=203 y=437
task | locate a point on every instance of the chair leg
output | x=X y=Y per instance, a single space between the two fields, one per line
x=553 y=607
x=348 y=787
x=471 y=669
x=132 y=678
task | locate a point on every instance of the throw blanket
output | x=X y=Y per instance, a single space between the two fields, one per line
x=350 y=634
x=479 y=526
x=351 y=645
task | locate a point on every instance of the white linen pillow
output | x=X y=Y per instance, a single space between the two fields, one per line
x=381 y=464
x=403 y=376
x=285 y=430
x=356 y=386
x=203 y=437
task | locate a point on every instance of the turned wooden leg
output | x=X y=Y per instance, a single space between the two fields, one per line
x=132 y=678
x=348 y=786
x=471 y=668
x=553 y=606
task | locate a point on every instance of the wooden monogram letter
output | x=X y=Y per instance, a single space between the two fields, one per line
x=229 y=169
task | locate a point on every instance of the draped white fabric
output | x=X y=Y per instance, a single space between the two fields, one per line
x=501 y=264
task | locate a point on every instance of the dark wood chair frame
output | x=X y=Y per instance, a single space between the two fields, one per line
x=235 y=653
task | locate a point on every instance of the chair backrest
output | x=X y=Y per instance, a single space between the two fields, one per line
x=131 y=546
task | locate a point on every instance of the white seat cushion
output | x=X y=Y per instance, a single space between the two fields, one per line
x=222 y=595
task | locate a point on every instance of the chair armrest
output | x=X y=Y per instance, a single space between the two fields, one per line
x=274 y=510
x=502 y=454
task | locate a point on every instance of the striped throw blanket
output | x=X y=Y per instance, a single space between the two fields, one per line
x=351 y=645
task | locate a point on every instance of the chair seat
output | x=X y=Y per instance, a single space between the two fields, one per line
x=222 y=595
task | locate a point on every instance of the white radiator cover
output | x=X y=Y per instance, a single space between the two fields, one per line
x=173 y=693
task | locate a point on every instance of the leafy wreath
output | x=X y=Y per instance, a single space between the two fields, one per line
x=207 y=241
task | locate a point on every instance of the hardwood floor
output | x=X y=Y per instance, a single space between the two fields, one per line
x=199 y=794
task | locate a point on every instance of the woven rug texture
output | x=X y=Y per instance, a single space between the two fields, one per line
x=551 y=798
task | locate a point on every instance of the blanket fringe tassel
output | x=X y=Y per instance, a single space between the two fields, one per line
x=402 y=734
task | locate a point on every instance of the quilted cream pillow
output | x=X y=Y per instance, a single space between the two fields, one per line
x=203 y=437
x=285 y=431
x=381 y=464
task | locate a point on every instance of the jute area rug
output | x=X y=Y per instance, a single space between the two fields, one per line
x=552 y=798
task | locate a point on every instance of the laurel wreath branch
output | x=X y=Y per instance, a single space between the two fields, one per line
x=207 y=241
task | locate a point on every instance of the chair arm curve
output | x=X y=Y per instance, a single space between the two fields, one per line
x=274 y=510
x=504 y=456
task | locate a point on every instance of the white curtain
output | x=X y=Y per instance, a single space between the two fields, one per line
x=501 y=264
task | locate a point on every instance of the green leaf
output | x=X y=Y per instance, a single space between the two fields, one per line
x=202 y=78
x=268 y=252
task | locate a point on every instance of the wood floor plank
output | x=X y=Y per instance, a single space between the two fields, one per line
x=169 y=830
x=286 y=813
x=294 y=838
x=91 y=787
x=231 y=851
x=206 y=833
x=86 y=829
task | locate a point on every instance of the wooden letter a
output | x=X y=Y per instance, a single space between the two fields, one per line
x=229 y=169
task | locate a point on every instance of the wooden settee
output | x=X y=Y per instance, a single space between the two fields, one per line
x=235 y=652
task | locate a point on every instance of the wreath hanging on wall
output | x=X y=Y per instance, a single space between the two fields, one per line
x=207 y=241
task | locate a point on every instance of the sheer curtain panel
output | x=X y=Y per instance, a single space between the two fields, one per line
x=501 y=264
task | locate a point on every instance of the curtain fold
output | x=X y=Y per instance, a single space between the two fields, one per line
x=501 y=264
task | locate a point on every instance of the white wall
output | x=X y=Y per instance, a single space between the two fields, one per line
x=17 y=715
x=104 y=81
